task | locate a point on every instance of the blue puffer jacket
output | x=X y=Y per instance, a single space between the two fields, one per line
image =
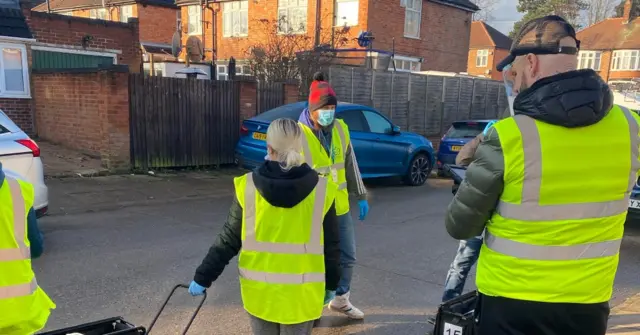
x=33 y=233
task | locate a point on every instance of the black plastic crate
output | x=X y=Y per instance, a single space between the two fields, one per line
x=111 y=326
x=456 y=316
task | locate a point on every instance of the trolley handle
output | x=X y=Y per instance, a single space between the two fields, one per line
x=193 y=316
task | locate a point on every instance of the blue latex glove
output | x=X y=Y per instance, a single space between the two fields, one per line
x=195 y=289
x=364 y=209
x=328 y=296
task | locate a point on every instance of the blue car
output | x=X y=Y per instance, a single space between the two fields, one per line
x=382 y=150
x=455 y=138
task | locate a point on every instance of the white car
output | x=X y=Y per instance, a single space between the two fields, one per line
x=20 y=154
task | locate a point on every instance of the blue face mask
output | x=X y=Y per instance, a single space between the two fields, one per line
x=326 y=116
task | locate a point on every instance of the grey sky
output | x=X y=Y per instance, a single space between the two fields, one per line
x=505 y=15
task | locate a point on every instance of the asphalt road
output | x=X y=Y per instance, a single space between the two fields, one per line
x=122 y=260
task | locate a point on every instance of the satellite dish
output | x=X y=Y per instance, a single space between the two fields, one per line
x=176 y=44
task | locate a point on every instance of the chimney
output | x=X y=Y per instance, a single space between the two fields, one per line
x=626 y=13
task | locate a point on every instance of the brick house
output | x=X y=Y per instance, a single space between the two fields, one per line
x=612 y=47
x=157 y=18
x=415 y=29
x=34 y=41
x=487 y=47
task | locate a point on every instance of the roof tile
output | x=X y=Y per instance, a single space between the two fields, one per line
x=611 y=34
x=13 y=23
x=484 y=35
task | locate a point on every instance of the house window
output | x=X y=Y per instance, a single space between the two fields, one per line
x=626 y=60
x=346 y=13
x=241 y=70
x=125 y=13
x=14 y=72
x=589 y=60
x=98 y=13
x=405 y=64
x=194 y=20
x=235 y=18
x=412 y=18
x=292 y=16
x=482 y=58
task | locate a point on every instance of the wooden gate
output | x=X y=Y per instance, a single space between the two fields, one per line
x=269 y=96
x=179 y=122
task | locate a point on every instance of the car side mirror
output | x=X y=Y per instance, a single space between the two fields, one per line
x=395 y=130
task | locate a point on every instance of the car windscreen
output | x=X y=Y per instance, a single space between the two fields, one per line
x=290 y=111
x=465 y=129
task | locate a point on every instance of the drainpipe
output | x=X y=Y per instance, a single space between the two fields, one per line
x=203 y=18
x=318 y=23
x=48 y=7
x=214 y=42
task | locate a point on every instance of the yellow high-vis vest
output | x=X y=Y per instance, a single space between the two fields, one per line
x=555 y=235
x=24 y=307
x=281 y=264
x=330 y=165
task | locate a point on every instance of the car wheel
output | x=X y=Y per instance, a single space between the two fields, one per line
x=419 y=170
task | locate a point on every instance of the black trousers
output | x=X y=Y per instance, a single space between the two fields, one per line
x=504 y=316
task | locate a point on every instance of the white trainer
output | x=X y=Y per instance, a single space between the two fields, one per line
x=342 y=305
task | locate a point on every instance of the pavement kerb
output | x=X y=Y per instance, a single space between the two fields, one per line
x=625 y=317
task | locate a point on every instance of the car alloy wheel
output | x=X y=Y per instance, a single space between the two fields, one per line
x=420 y=169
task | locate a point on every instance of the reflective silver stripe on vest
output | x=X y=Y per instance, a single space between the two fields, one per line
x=16 y=291
x=308 y=157
x=551 y=252
x=22 y=252
x=531 y=210
x=314 y=246
x=282 y=278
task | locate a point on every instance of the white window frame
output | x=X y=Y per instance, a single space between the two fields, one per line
x=222 y=75
x=590 y=60
x=622 y=60
x=482 y=58
x=235 y=11
x=287 y=10
x=66 y=13
x=26 y=93
x=126 y=12
x=194 y=13
x=405 y=64
x=413 y=9
x=346 y=20
x=97 y=13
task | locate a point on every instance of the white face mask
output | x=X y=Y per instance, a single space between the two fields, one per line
x=508 y=85
x=511 y=99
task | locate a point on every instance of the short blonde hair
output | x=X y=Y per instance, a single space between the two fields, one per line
x=284 y=136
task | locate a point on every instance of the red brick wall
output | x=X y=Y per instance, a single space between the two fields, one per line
x=248 y=97
x=444 y=34
x=237 y=46
x=68 y=30
x=19 y=111
x=85 y=111
x=157 y=24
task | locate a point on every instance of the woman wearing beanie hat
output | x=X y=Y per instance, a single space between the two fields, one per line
x=328 y=150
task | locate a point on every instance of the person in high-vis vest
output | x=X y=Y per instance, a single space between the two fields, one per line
x=24 y=306
x=283 y=223
x=327 y=149
x=552 y=221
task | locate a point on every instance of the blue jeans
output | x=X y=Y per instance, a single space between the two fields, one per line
x=468 y=252
x=347 y=252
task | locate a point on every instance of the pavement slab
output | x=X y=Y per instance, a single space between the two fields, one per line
x=123 y=258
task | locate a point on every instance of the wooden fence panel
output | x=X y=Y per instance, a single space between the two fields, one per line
x=179 y=122
x=269 y=96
